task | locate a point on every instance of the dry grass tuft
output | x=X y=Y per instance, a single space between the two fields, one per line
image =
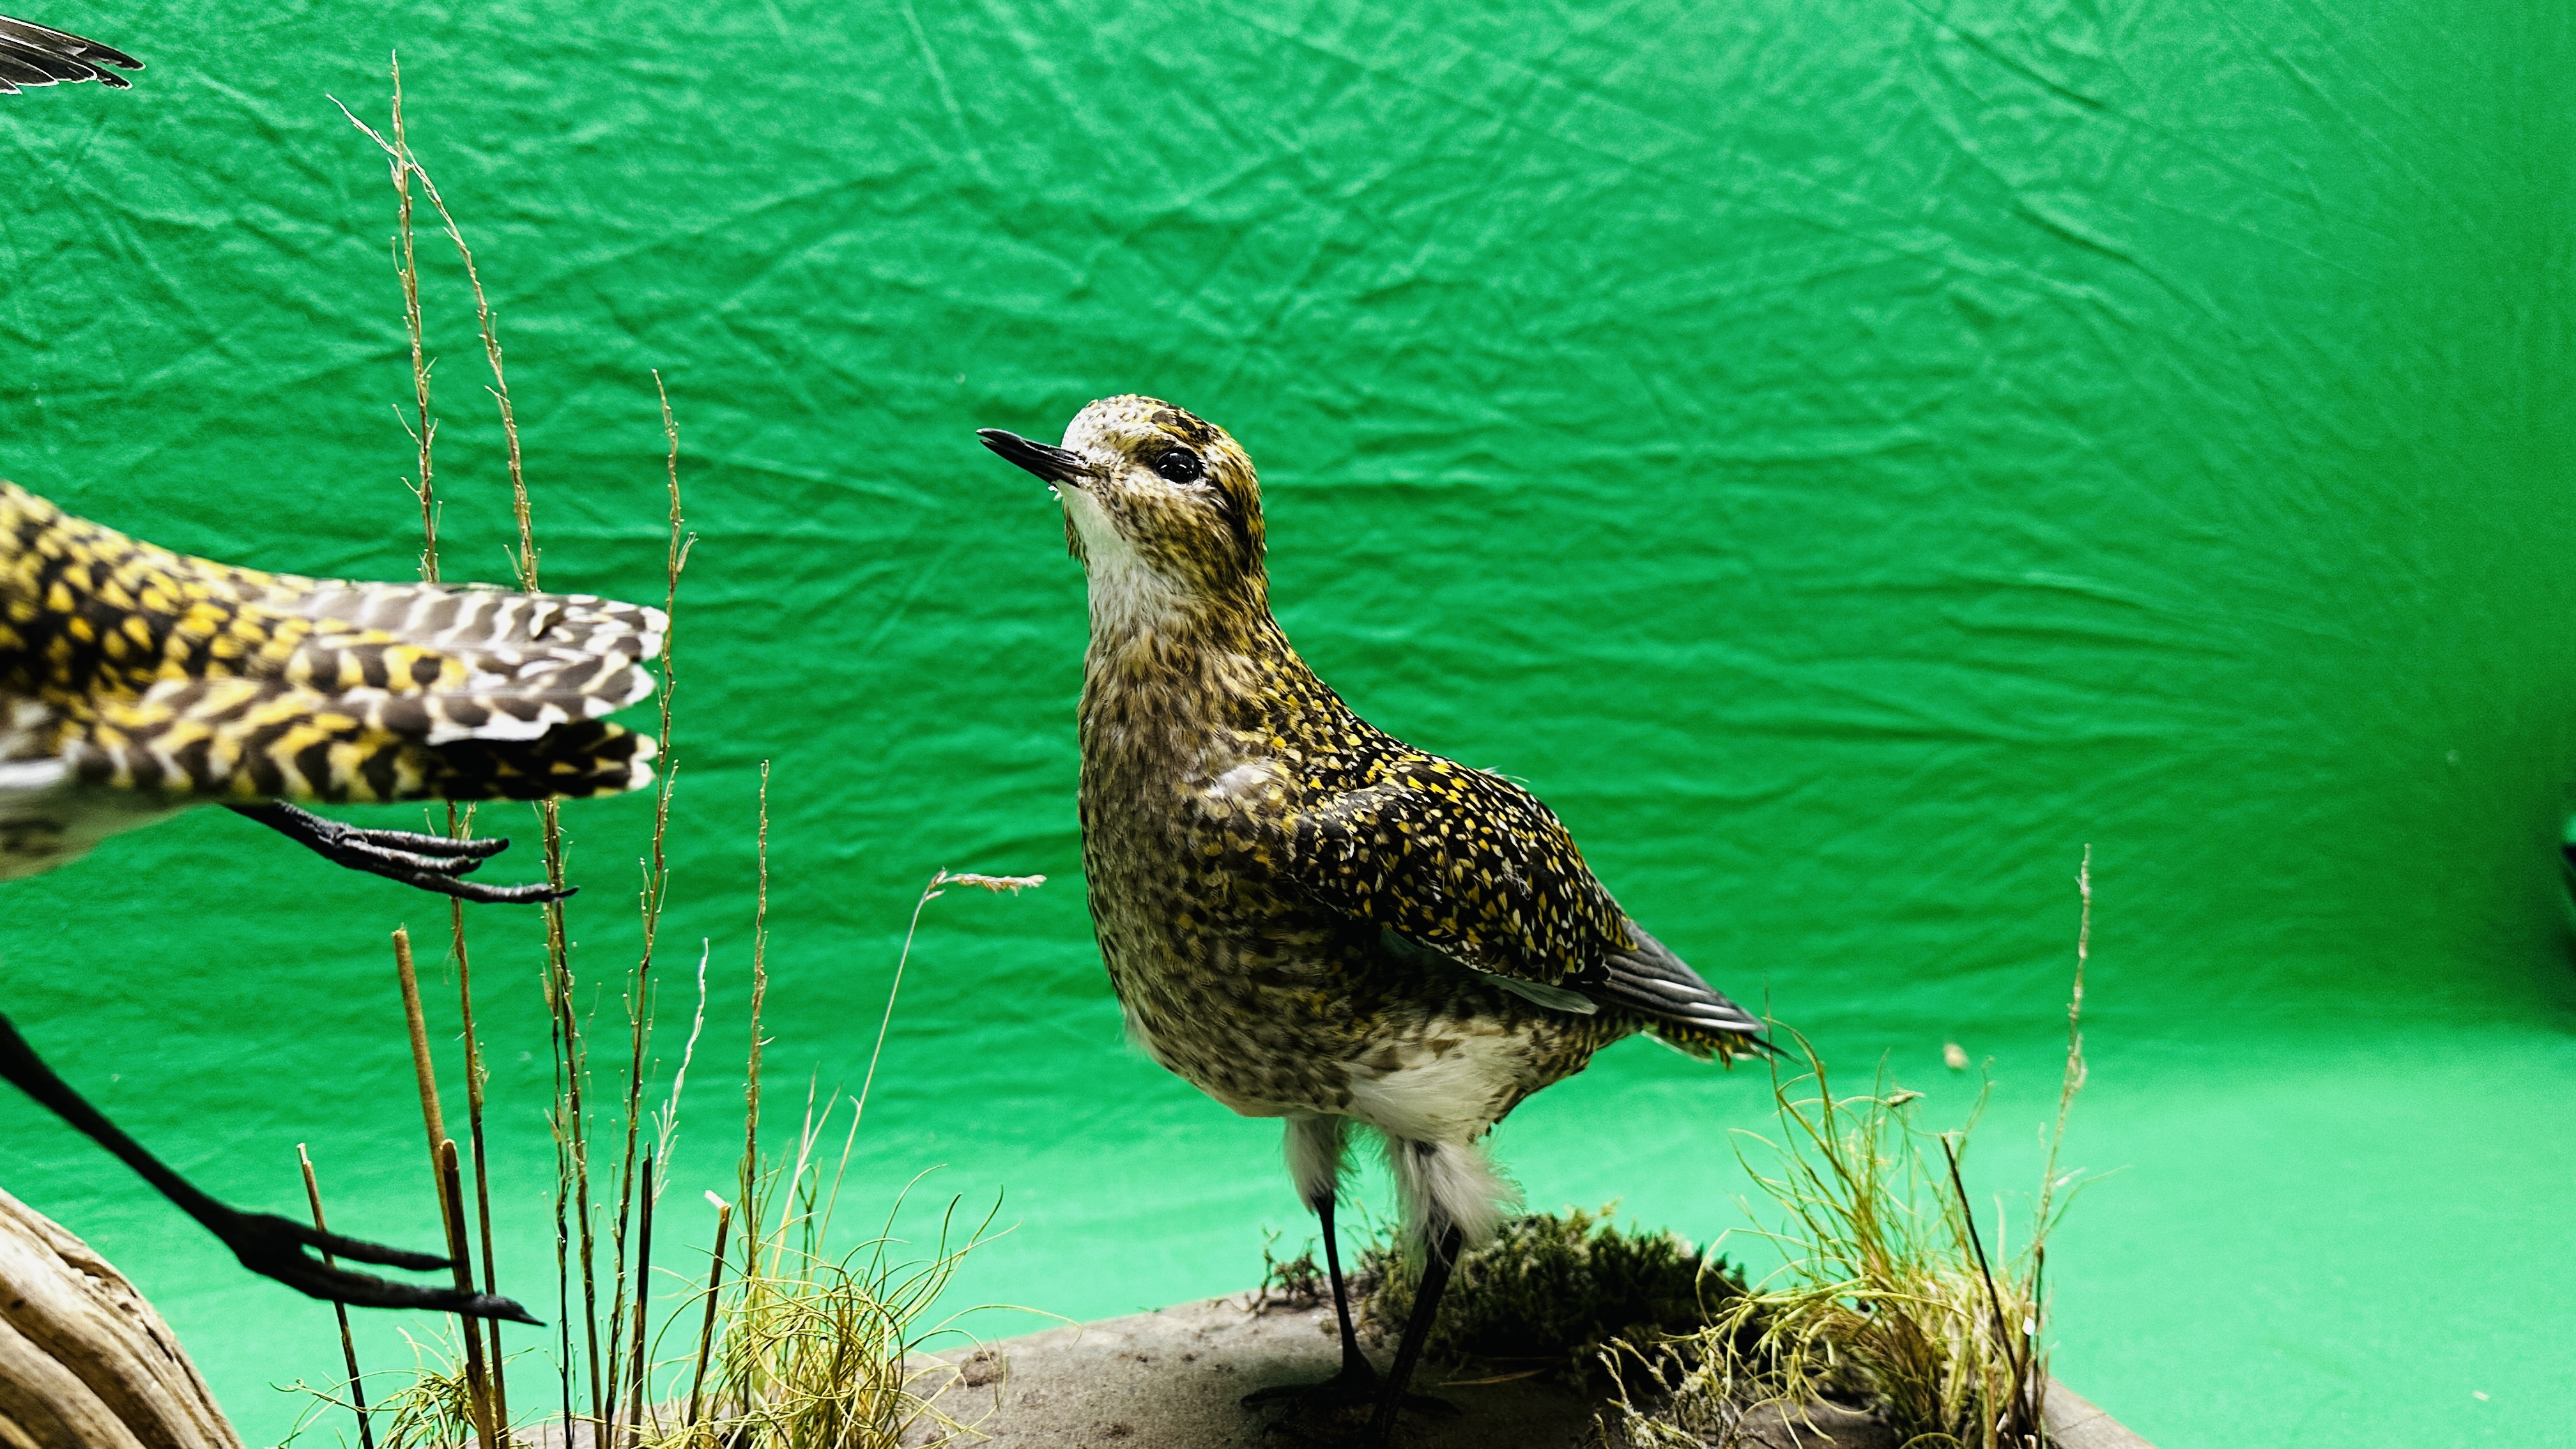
x=817 y=1351
x=1893 y=1295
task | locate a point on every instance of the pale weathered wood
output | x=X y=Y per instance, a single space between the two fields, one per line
x=84 y=1361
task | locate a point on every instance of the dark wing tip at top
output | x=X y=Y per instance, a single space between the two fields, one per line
x=37 y=55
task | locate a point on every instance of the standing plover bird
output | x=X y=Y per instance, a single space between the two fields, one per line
x=136 y=683
x=1303 y=916
x=32 y=55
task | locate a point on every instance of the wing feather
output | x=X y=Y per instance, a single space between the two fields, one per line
x=36 y=55
x=160 y=672
x=1470 y=865
x=1462 y=861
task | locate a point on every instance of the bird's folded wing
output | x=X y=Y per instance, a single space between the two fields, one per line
x=1473 y=866
x=1464 y=862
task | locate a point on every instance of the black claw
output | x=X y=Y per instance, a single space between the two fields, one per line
x=273 y=1247
x=403 y=863
x=533 y=893
x=478 y=847
x=432 y=863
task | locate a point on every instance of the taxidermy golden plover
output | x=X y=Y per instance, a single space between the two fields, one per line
x=1303 y=916
x=136 y=683
x=32 y=55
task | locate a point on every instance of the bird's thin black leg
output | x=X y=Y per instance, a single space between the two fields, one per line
x=1426 y=1306
x=266 y=1244
x=1357 y=1381
x=429 y=862
x=1355 y=1365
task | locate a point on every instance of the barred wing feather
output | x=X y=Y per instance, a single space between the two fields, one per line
x=148 y=670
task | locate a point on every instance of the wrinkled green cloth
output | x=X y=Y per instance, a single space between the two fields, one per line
x=1847 y=457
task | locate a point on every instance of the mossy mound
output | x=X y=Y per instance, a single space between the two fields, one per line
x=1547 y=1295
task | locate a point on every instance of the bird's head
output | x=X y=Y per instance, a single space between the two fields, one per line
x=1161 y=506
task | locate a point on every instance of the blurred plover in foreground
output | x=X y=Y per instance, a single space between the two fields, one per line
x=136 y=683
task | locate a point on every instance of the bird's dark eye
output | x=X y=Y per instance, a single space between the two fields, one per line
x=1180 y=465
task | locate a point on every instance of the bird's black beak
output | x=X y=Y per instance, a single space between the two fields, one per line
x=1055 y=465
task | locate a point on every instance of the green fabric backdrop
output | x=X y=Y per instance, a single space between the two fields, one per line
x=1846 y=456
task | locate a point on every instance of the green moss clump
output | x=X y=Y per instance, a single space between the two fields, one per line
x=1550 y=1292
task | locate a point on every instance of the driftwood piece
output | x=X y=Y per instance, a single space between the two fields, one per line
x=84 y=1361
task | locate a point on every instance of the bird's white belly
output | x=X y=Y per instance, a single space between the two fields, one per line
x=1449 y=1096
x=1410 y=1090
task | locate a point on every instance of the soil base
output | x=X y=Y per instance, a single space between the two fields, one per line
x=1176 y=1378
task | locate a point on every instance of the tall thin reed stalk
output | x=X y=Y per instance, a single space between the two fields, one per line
x=651 y=900
x=866 y=1308
x=461 y=827
x=478 y=1398
x=707 y=1328
x=433 y=1119
x=750 y=1171
x=340 y=1311
x=443 y=1172
x=639 y=1369
x=571 y=1061
x=999 y=884
x=424 y=432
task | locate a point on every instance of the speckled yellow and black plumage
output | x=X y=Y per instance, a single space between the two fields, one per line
x=135 y=681
x=1302 y=915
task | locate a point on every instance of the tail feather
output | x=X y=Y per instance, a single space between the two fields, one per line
x=587 y=757
x=480 y=620
x=1678 y=1005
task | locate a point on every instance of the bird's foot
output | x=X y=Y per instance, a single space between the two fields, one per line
x=1357 y=1383
x=427 y=862
x=274 y=1247
x=1336 y=1410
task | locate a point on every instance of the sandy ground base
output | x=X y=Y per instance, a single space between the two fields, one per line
x=1175 y=1379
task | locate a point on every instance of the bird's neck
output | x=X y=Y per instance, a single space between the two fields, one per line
x=1179 y=685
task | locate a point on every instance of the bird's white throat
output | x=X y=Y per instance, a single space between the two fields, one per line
x=1128 y=598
